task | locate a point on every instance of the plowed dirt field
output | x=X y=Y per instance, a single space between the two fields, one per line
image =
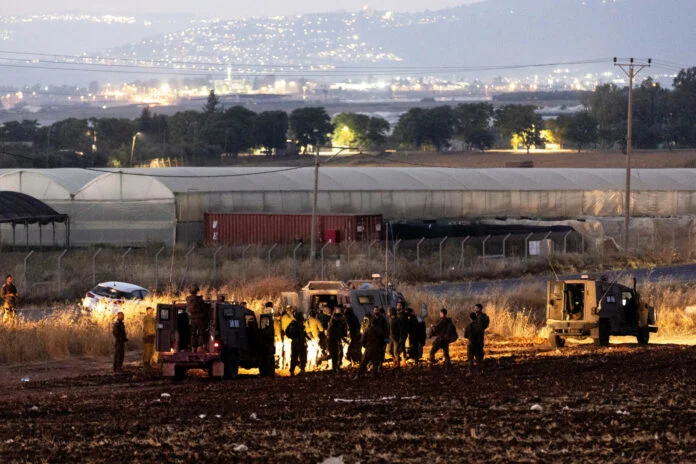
x=624 y=403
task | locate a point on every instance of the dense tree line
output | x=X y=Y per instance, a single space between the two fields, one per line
x=662 y=118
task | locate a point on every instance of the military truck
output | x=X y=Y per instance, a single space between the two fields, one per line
x=361 y=295
x=236 y=338
x=598 y=309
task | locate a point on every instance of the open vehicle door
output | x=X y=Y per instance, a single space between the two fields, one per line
x=290 y=299
x=555 y=300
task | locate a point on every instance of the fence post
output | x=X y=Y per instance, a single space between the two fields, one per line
x=294 y=260
x=546 y=237
x=322 y=258
x=395 y=250
x=188 y=266
x=442 y=243
x=369 y=249
x=157 y=267
x=94 y=266
x=505 y=242
x=24 y=277
x=60 y=269
x=123 y=262
x=461 y=254
x=418 y=245
x=214 y=276
x=526 y=246
x=244 y=262
x=565 y=242
x=270 y=250
x=582 y=244
x=483 y=246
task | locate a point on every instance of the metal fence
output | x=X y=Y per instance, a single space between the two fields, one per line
x=70 y=272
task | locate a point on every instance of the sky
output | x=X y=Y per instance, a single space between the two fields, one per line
x=219 y=8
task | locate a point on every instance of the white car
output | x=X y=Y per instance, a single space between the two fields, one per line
x=111 y=296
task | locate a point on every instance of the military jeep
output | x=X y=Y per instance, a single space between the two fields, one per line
x=598 y=309
x=235 y=338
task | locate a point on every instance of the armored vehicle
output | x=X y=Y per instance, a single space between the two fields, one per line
x=235 y=338
x=598 y=309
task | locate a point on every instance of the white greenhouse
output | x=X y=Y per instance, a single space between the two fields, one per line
x=138 y=206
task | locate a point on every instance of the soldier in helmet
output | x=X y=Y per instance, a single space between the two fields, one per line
x=337 y=331
x=198 y=318
x=296 y=332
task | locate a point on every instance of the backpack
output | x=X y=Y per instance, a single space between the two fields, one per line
x=452 y=334
x=292 y=330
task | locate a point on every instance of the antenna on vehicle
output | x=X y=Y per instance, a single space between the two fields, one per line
x=548 y=260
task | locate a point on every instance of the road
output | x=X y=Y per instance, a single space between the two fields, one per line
x=679 y=274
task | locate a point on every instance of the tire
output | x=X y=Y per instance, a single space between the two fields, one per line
x=556 y=341
x=643 y=335
x=231 y=362
x=604 y=331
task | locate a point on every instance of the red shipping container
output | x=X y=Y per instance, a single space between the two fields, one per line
x=270 y=228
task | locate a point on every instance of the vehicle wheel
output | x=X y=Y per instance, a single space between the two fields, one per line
x=231 y=362
x=604 y=330
x=179 y=373
x=556 y=341
x=643 y=335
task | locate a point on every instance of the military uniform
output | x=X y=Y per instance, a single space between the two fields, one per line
x=9 y=292
x=474 y=333
x=394 y=348
x=198 y=319
x=383 y=326
x=354 y=347
x=372 y=341
x=336 y=333
x=149 y=333
x=441 y=340
x=298 y=347
x=120 y=339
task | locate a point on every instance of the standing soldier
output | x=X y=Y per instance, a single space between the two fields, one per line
x=10 y=295
x=120 y=340
x=485 y=321
x=337 y=332
x=443 y=333
x=149 y=332
x=474 y=333
x=298 y=347
x=354 y=348
x=198 y=315
x=372 y=341
x=394 y=337
x=383 y=324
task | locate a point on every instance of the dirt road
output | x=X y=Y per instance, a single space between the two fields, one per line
x=619 y=404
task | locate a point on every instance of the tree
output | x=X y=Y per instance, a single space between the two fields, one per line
x=271 y=129
x=377 y=130
x=15 y=131
x=211 y=104
x=350 y=130
x=183 y=127
x=113 y=133
x=609 y=106
x=582 y=129
x=419 y=127
x=520 y=123
x=683 y=102
x=231 y=130
x=472 y=125
x=145 y=121
x=310 y=126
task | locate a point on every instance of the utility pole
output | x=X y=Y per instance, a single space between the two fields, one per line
x=631 y=69
x=313 y=244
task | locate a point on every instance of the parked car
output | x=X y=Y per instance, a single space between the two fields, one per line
x=111 y=296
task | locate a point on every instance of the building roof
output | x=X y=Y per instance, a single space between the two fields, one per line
x=16 y=207
x=160 y=184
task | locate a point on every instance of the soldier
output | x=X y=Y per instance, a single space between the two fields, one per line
x=9 y=296
x=120 y=339
x=394 y=337
x=337 y=332
x=381 y=321
x=415 y=347
x=442 y=337
x=474 y=333
x=402 y=317
x=371 y=340
x=354 y=347
x=149 y=332
x=485 y=321
x=298 y=347
x=198 y=314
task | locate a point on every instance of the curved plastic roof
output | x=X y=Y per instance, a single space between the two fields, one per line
x=17 y=207
x=145 y=184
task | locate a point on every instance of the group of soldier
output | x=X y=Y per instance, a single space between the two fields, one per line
x=398 y=332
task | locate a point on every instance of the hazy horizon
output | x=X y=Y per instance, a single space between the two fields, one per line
x=212 y=8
